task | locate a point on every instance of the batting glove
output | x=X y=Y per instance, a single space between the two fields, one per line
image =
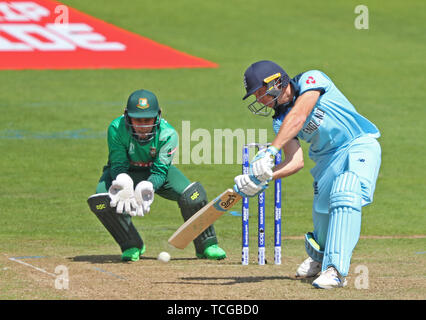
x=247 y=186
x=122 y=194
x=262 y=164
x=144 y=194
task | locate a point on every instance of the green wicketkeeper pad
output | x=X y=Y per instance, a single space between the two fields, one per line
x=120 y=226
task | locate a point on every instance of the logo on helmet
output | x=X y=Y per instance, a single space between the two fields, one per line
x=143 y=103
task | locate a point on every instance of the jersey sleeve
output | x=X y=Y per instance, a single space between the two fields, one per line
x=117 y=154
x=161 y=165
x=276 y=125
x=314 y=80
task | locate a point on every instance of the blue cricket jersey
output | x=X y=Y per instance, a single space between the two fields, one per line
x=333 y=122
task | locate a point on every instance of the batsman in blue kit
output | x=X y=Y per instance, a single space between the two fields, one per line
x=344 y=147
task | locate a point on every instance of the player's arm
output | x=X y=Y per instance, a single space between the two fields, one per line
x=246 y=186
x=161 y=165
x=296 y=118
x=145 y=190
x=117 y=153
x=263 y=162
x=121 y=190
x=293 y=161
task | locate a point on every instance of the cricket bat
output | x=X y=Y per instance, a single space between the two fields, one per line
x=205 y=217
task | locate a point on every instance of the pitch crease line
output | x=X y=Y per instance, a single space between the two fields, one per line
x=31 y=266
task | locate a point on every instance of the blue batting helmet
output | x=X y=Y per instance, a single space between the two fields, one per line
x=261 y=73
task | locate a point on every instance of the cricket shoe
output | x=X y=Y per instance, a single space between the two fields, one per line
x=213 y=252
x=330 y=279
x=133 y=254
x=308 y=268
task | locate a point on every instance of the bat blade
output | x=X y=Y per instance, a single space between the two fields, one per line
x=202 y=219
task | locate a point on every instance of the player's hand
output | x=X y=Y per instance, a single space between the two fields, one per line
x=262 y=164
x=248 y=186
x=122 y=194
x=144 y=194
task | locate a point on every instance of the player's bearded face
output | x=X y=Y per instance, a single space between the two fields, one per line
x=286 y=95
x=143 y=126
x=268 y=101
x=264 y=98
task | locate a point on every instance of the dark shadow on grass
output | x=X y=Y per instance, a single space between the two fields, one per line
x=229 y=281
x=114 y=258
x=172 y=259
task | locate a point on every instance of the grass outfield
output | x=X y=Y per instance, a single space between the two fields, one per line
x=53 y=123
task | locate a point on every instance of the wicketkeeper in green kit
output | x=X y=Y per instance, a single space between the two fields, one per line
x=141 y=148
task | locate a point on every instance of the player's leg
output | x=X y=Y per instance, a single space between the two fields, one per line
x=364 y=159
x=314 y=246
x=343 y=230
x=311 y=266
x=191 y=197
x=351 y=190
x=120 y=226
x=315 y=241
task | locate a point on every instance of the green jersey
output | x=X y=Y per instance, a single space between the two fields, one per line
x=127 y=154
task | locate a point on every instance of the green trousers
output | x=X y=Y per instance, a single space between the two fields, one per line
x=173 y=189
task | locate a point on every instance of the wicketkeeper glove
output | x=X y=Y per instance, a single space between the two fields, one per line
x=122 y=194
x=144 y=194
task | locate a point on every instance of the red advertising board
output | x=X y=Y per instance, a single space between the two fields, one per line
x=44 y=34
